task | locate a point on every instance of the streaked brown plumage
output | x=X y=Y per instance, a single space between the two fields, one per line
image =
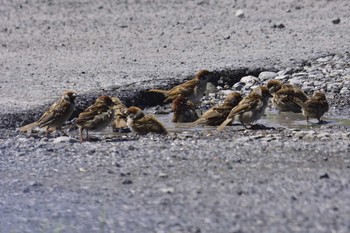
x=56 y=115
x=96 y=117
x=143 y=124
x=218 y=114
x=315 y=107
x=283 y=96
x=192 y=89
x=120 y=117
x=184 y=110
x=250 y=109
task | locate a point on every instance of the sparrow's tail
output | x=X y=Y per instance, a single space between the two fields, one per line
x=300 y=95
x=224 y=124
x=165 y=92
x=299 y=102
x=28 y=128
x=200 y=121
x=119 y=123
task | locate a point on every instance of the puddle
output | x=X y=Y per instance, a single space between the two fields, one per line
x=274 y=119
x=271 y=119
x=298 y=121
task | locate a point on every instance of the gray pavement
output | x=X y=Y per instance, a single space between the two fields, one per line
x=91 y=45
x=273 y=180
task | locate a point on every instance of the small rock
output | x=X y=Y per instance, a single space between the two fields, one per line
x=250 y=80
x=266 y=75
x=279 y=26
x=344 y=90
x=211 y=88
x=283 y=77
x=240 y=14
x=35 y=184
x=324 y=176
x=238 y=86
x=162 y=175
x=63 y=139
x=324 y=59
x=127 y=182
x=168 y=190
x=309 y=136
x=336 y=21
x=298 y=80
x=299 y=135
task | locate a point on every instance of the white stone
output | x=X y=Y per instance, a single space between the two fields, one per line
x=64 y=139
x=250 y=80
x=240 y=13
x=266 y=75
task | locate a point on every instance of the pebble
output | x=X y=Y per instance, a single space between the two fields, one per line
x=64 y=139
x=267 y=75
x=239 y=13
x=297 y=80
x=344 y=90
x=238 y=86
x=250 y=80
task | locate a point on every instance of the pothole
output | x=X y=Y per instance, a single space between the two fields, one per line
x=330 y=74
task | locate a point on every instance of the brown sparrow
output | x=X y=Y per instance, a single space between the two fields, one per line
x=97 y=116
x=120 y=118
x=143 y=124
x=56 y=115
x=218 y=114
x=250 y=109
x=283 y=96
x=192 y=89
x=315 y=107
x=184 y=110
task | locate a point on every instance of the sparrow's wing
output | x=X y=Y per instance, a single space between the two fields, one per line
x=211 y=113
x=285 y=94
x=91 y=112
x=185 y=88
x=316 y=105
x=222 y=108
x=58 y=110
x=245 y=106
x=151 y=124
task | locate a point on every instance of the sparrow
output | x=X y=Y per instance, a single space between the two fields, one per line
x=120 y=118
x=250 y=109
x=56 y=115
x=184 y=110
x=96 y=117
x=143 y=124
x=315 y=107
x=218 y=114
x=192 y=89
x=283 y=96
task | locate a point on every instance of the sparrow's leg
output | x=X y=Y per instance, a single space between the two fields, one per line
x=307 y=119
x=81 y=134
x=61 y=131
x=47 y=131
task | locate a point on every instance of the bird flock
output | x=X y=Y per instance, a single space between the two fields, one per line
x=185 y=99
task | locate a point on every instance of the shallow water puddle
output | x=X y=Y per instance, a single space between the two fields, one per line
x=271 y=119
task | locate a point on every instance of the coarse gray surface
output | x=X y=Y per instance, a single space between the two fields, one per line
x=272 y=180
x=49 y=46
